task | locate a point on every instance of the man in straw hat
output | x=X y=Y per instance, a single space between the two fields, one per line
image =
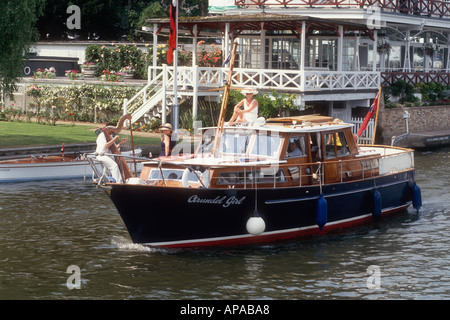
x=167 y=144
x=250 y=111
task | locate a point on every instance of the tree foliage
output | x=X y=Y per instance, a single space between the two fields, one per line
x=18 y=33
x=110 y=19
x=104 y=18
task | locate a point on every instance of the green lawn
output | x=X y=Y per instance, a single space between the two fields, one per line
x=24 y=134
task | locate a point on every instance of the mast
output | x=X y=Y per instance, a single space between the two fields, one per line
x=376 y=116
x=223 y=108
x=175 y=110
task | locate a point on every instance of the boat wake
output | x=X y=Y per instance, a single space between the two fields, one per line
x=125 y=244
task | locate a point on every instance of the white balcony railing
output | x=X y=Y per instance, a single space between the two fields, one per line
x=426 y=8
x=273 y=79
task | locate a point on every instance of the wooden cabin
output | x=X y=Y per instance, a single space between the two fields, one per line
x=284 y=152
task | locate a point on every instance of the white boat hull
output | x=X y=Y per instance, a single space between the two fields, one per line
x=35 y=171
x=45 y=171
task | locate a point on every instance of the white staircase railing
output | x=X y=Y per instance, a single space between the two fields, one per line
x=147 y=105
x=148 y=97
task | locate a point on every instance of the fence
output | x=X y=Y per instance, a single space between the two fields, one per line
x=367 y=135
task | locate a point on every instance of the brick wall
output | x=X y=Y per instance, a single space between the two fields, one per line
x=391 y=121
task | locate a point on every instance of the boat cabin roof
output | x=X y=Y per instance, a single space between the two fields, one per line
x=297 y=124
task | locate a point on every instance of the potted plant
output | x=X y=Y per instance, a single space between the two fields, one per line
x=383 y=47
x=74 y=74
x=47 y=73
x=430 y=48
x=128 y=72
x=111 y=76
x=89 y=69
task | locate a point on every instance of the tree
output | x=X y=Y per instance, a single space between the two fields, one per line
x=18 y=32
x=102 y=18
x=109 y=19
x=142 y=10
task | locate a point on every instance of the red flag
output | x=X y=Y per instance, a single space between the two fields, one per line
x=173 y=31
x=372 y=110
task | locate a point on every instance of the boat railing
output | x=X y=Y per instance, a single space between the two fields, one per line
x=101 y=177
x=248 y=175
x=314 y=173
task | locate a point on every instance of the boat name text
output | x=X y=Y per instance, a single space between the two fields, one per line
x=225 y=201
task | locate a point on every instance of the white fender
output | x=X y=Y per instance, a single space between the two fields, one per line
x=185 y=178
x=206 y=179
x=256 y=225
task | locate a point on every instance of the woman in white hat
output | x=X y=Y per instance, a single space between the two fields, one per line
x=250 y=111
x=167 y=144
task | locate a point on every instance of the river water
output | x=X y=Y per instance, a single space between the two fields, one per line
x=48 y=227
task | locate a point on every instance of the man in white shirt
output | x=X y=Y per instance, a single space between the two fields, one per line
x=103 y=147
x=294 y=151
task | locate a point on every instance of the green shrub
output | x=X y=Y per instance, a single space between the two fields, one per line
x=404 y=90
x=83 y=103
x=117 y=57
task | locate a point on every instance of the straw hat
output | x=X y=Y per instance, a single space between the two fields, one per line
x=252 y=91
x=167 y=126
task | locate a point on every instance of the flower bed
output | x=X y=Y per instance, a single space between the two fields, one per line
x=212 y=58
x=47 y=73
x=111 y=76
x=74 y=74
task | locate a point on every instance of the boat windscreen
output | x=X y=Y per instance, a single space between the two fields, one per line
x=266 y=145
x=232 y=142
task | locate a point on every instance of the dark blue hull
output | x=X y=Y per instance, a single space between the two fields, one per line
x=194 y=217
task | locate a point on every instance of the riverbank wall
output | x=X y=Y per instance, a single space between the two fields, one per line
x=415 y=127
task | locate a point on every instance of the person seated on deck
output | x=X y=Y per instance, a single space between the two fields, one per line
x=167 y=143
x=250 y=111
x=103 y=147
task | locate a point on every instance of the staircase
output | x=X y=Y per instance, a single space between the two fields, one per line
x=155 y=99
x=151 y=100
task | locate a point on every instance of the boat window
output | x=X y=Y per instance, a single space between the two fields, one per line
x=294 y=172
x=296 y=147
x=170 y=174
x=207 y=142
x=316 y=153
x=336 y=145
x=266 y=145
x=234 y=142
x=263 y=175
x=342 y=145
x=330 y=145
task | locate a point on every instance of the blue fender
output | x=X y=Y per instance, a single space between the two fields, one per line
x=376 y=204
x=417 y=197
x=321 y=212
